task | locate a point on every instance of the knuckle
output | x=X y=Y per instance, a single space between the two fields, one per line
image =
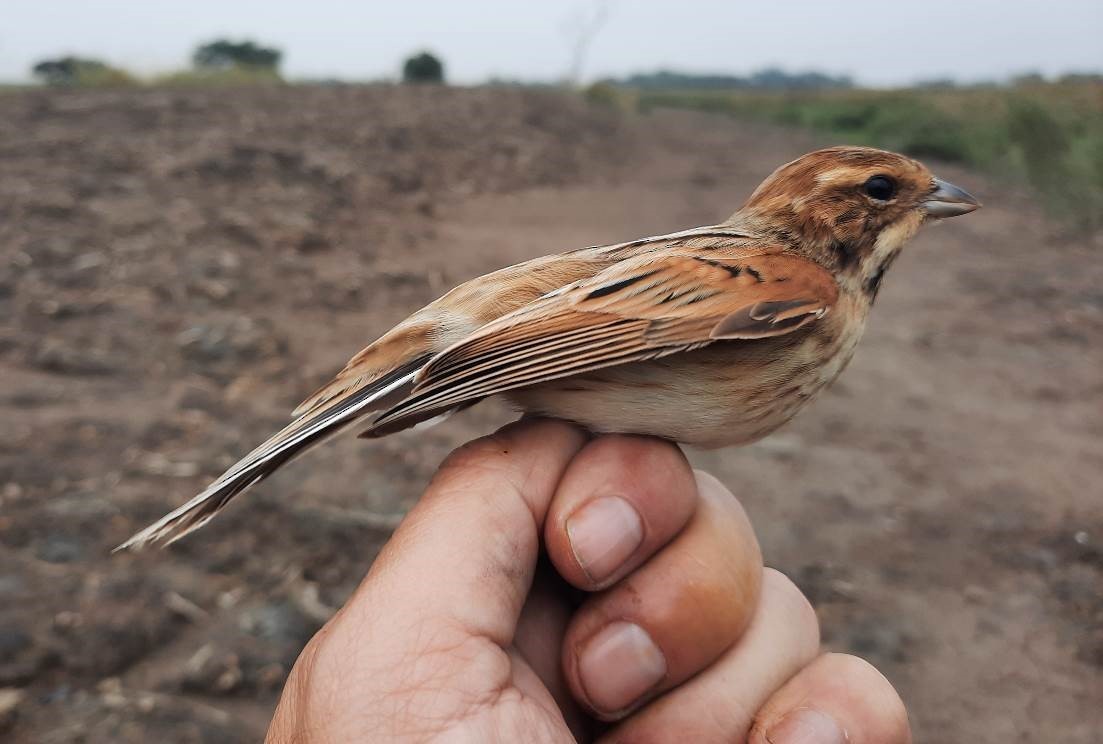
x=475 y=452
x=729 y=524
x=794 y=606
x=715 y=495
x=876 y=690
x=854 y=668
x=314 y=653
x=711 y=488
x=472 y=464
x=495 y=455
x=716 y=498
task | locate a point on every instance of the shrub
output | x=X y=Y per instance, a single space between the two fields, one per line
x=603 y=94
x=423 y=68
x=77 y=71
x=1070 y=178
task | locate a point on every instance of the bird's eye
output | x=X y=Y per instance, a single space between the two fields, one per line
x=881 y=188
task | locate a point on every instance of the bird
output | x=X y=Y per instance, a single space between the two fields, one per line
x=711 y=336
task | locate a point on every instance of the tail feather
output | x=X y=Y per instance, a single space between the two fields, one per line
x=196 y=512
x=292 y=441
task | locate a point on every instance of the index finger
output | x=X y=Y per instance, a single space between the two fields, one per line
x=621 y=499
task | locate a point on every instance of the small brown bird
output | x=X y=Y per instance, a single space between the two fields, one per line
x=711 y=336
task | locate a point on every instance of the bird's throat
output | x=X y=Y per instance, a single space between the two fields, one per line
x=877 y=260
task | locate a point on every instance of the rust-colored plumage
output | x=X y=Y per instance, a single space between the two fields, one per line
x=711 y=336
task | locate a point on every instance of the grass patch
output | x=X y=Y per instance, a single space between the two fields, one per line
x=233 y=75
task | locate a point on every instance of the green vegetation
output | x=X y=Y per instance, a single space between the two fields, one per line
x=80 y=72
x=223 y=54
x=219 y=62
x=229 y=76
x=226 y=62
x=1049 y=135
x=771 y=78
x=423 y=68
x=602 y=94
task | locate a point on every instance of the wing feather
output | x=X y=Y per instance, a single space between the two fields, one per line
x=638 y=309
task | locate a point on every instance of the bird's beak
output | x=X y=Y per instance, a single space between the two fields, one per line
x=948 y=200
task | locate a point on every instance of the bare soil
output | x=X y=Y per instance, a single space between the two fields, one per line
x=181 y=267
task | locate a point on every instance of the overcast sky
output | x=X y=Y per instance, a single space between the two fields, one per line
x=880 y=43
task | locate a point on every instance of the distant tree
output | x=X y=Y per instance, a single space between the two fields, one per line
x=423 y=68
x=222 y=54
x=61 y=71
x=775 y=79
x=73 y=71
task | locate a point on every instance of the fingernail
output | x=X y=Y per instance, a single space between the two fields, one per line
x=806 y=726
x=603 y=534
x=618 y=665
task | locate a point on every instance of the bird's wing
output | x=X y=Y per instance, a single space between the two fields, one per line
x=382 y=372
x=641 y=308
x=384 y=369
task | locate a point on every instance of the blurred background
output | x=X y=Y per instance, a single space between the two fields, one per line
x=207 y=207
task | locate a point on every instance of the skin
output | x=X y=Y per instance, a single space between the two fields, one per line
x=494 y=646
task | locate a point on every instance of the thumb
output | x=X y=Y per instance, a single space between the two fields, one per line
x=466 y=553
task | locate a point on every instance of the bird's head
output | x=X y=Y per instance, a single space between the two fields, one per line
x=852 y=208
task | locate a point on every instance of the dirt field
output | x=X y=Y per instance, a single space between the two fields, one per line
x=180 y=268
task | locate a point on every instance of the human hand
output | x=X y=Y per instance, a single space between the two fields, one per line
x=655 y=620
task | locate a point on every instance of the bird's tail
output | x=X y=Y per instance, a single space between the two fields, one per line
x=299 y=436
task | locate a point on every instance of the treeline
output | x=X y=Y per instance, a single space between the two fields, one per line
x=776 y=79
x=219 y=61
x=771 y=78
